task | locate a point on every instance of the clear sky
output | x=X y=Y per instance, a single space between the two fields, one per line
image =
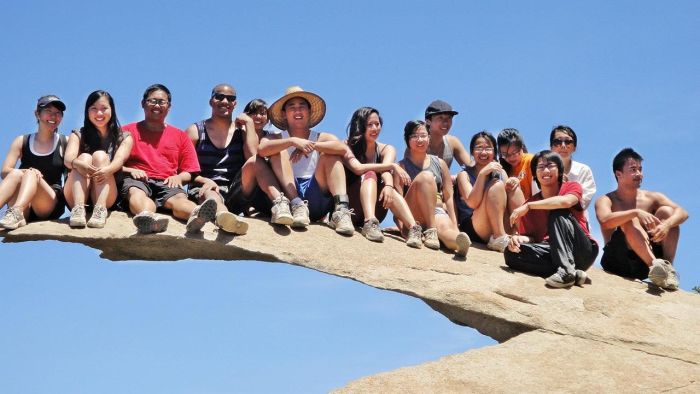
x=621 y=74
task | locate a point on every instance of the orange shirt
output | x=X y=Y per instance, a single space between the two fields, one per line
x=522 y=172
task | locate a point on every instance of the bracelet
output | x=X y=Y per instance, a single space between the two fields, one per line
x=391 y=186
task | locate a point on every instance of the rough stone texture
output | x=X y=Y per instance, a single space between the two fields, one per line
x=614 y=335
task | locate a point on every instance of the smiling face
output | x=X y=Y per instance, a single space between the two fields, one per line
x=296 y=111
x=512 y=154
x=631 y=174
x=563 y=144
x=440 y=123
x=484 y=151
x=49 y=117
x=156 y=106
x=419 y=140
x=223 y=101
x=547 y=173
x=373 y=127
x=100 y=113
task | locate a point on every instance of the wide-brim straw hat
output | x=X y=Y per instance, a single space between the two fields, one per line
x=317 y=108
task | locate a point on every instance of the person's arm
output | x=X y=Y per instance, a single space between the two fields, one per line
x=13 y=155
x=329 y=144
x=609 y=220
x=117 y=162
x=250 y=144
x=460 y=152
x=555 y=202
x=659 y=232
x=72 y=150
x=483 y=178
x=274 y=144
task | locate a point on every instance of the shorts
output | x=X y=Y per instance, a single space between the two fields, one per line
x=467 y=226
x=320 y=203
x=152 y=188
x=618 y=259
x=58 y=210
x=237 y=202
x=440 y=211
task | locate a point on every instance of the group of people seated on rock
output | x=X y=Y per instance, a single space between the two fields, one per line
x=531 y=207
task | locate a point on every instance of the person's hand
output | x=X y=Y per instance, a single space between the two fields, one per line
x=173 y=181
x=512 y=183
x=386 y=196
x=515 y=241
x=659 y=232
x=242 y=120
x=36 y=172
x=139 y=175
x=84 y=168
x=647 y=220
x=402 y=174
x=518 y=213
x=490 y=168
x=303 y=146
x=100 y=175
x=206 y=186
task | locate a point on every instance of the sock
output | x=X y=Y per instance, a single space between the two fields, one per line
x=341 y=201
x=296 y=201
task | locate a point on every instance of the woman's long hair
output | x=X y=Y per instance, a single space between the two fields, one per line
x=356 y=131
x=90 y=136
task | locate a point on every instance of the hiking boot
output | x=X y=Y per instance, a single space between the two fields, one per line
x=498 y=244
x=561 y=281
x=280 y=211
x=13 y=218
x=658 y=272
x=463 y=244
x=98 y=218
x=300 y=213
x=147 y=223
x=341 y=221
x=371 y=231
x=77 y=216
x=581 y=277
x=206 y=212
x=230 y=223
x=414 y=234
x=430 y=238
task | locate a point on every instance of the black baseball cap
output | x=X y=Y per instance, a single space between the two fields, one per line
x=44 y=101
x=439 y=107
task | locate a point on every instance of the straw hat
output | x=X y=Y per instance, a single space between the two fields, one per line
x=317 y=108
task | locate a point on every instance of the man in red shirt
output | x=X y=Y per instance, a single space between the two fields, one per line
x=161 y=161
x=553 y=240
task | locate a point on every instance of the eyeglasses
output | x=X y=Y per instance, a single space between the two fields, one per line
x=482 y=149
x=220 y=97
x=550 y=167
x=154 y=102
x=513 y=154
x=419 y=136
x=559 y=141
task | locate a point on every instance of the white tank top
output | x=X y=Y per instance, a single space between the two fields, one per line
x=306 y=167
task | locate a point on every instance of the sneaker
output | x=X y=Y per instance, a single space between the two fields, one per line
x=98 y=218
x=463 y=244
x=414 y=234
x=658 y=272
x=300 y=213
x=372 y=232
x=430 y=238
x=206 y=212
x=77 y=216
x=13 y=218
x=147 y=223
x=230 y=223
x=561 y=281
x=673 y=280
x=581 y=277
x=341 y=221
x=280 y=211
x=498 y=244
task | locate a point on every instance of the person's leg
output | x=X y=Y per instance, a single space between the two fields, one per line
x=77 y=186
x=104 y=194
x=670 y=243
x=515 y=199
x=571 y=249
x=638 y=240
x=139 y=201
x=532 y=259
x=180 y=206
x=282 y=168
x=495 y=200
x=618 y=259
x=421 y=199
x=368 y=195
x=450 y=235
x=330 y=175
x=10 y=186
x=266 y=177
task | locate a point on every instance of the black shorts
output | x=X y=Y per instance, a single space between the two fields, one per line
x=58 y=210
x=467 y=226
x=236 y=201
x=156 y=190
x=618 y=259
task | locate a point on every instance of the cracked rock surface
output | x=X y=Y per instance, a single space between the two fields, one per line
x=613 y=335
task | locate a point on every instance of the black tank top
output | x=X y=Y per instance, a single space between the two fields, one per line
x=50 y=165
x=219 y=165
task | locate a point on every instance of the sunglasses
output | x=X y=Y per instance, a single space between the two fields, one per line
x=559 y=141
x=220 y=97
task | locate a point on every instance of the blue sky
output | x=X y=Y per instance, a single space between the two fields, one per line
x=620 y=73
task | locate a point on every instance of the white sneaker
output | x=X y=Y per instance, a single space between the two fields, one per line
x=498 y=244
x=147 y=222
x=658 y=272
x=300 y=213
x=463 y=244
x=341 y=221
x=230 y=223
x=280 y=211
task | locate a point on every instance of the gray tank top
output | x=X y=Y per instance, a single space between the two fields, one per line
x=447 y=153
x=433 y=167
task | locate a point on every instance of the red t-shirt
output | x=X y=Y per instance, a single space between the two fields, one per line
x=534 y=223
x=163 y=154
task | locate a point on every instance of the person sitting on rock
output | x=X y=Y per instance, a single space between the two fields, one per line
x=553 y=239
x=563 y=140
x=315 y=157
x=641 y=228
x=162 y=160
x=370 y=165
x=516 y=161
x=95 y=155
x=33 y=191
x=486 y=197
x=226 y=150
x=429 y=192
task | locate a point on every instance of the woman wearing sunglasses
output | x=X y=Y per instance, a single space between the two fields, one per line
x=563 y=141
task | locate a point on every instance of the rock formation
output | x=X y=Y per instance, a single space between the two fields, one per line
x=613 y=335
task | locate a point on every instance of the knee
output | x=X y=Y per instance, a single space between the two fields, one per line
x=664 y=212
x=14 y=175
x=497 y=189
x=369 y=176
x=425 y=179
x=100 y=158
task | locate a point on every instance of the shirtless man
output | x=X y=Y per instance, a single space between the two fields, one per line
x=640 y=227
